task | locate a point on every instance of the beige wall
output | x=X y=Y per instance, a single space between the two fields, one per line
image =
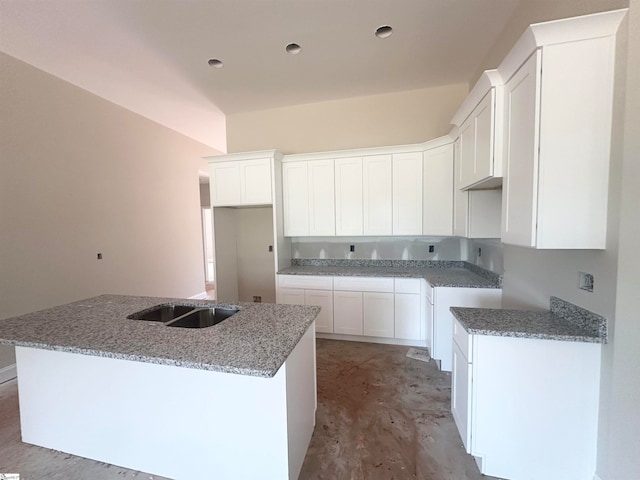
x=535 y=11
x=80 y=175
x=391 y=119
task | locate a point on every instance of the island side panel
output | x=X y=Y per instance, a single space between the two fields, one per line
x=176 y=422
x=301 y=399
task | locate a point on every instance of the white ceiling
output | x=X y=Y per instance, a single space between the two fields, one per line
x=150 y=56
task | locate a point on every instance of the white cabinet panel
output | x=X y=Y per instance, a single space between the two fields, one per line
x=437 y=216
x=364 y=284
x=255 y=182
x=521 y=155
x=291 y=296
x=316 y=282
x=377 y=195
x=296 y=199
x=428 y=319
x=225 y=183
x=378 y=314
x=483 y=165
x=323 y=299
x=408 y=285
x=322 y=220
x=347 y=313
x=461 y=384
x=407 y=316
x=407 y=193
x=348 y=187
x=467 y=152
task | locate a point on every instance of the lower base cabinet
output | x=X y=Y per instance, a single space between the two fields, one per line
x=378 y=314
x=347 y=313
x=408 y=308
x=527 y=408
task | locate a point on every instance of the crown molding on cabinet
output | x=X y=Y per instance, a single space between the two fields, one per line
x=565 y=30
x=363 y=152
x=488 y=80
x=228 y=157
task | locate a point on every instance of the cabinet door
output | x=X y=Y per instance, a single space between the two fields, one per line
x=377 y=195
x=407 y=316
x=347 y=313
x=296 y=199
x=378 y=314
x=467 y=152
x=520 y=188
x=348 y=196
x=483 y=118
x=321 y=198
x=428 y=320
x=324 y=300
x=407 y=194
x=437 y=216
x=225 y=184
x=461 y=376
x=460 y=197
x=291 y=296
x=255 y=182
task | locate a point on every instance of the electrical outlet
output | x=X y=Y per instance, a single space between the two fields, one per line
x=271 y=248
x=585 y=281
x=257 y=299
x=432 y=248
x=479 y=252
x=99 y=256
x=352 y=248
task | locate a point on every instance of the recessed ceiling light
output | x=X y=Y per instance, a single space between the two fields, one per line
x=293 y=48
x=384 y=31
x=215 y=63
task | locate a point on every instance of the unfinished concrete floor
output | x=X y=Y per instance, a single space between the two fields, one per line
x=380 y=415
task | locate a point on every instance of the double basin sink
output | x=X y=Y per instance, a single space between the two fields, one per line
x=185 y=316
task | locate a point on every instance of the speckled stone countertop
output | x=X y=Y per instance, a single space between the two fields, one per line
x=255 y=341
x=437 y=273
x=564 y=321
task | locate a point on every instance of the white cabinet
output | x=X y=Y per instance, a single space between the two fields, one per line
x=309 y=290
x=347 y=313
x=321 y=198
x=407 y=193
x=377 y=189
x=408 y=310
x=295 y=199
x=527 y=407
x=378 y=314
x=557 y=111
x=447 y=297
x=479 y=119
x=308 y=196
x=243 y=182
x=324 y=300
x=348 y=188
x=476 y=213
x=437 y=213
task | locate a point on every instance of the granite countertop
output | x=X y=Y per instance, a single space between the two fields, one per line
x=564 y=321
x=255 y=341
x=437 y=273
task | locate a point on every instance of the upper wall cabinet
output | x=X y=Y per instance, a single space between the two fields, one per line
x=377 y=195
x=407 y=193
x=437 y=191
x=247 y=181
x=557 y=133
x=308 y=198
x=479 y=121
x=348 y=189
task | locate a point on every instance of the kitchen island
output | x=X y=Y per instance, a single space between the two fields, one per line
x=234 y=400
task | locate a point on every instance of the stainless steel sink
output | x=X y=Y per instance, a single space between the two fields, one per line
x=185 y=316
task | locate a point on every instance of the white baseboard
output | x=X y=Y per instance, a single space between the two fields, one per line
x=8 y=373
x=199 y=296
x=359 y=338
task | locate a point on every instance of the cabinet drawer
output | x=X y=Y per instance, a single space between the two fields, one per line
x=408 y=285
x=462 y=339
x=305 y=281
x=428 y=289
x=363 y=284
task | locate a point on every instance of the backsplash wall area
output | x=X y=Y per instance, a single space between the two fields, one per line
x=401 y=248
